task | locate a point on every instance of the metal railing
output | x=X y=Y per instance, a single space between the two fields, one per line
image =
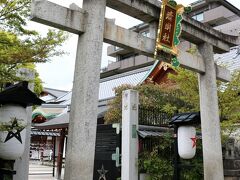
x=152 y=117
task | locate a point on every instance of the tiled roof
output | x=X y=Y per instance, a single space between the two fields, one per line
x=186 y=118
x=48 y=98
x=231 y=59
x=148 y=133
x=55 y=92
x=107 y=85
x=65 y=99
x=106 y=89
x=61 y=121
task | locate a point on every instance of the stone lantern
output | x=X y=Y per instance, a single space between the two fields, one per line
x=13 y=119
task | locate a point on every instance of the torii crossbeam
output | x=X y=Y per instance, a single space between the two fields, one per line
x=93 y=29
x=73 y=21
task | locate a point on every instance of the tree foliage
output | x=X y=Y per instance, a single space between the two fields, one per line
x=187 y=86
x=158 y=162
x=14 y=15
x=20 y=46
x=161 y=97
x=15 y=52
x=228 y=95
x=229 y=100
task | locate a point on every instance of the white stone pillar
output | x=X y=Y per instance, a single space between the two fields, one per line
x=129 y=135
x=210 y=123
x=84 y=105
x=21 y=165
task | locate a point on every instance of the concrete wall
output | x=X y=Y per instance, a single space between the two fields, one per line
x=218 y=15
x=130 y=63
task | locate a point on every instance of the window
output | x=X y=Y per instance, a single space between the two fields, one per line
x=198 y=17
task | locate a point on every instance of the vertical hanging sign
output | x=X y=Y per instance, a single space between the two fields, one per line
x=169 y=29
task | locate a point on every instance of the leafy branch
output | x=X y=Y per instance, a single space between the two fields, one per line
x=13 y=125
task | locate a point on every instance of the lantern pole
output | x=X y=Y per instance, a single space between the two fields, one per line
x=6 y=169
x=176 y=175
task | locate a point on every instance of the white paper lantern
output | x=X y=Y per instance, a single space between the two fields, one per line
x=186 y=142
x=12 y=141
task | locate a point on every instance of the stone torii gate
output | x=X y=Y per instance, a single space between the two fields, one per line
x=93 y=29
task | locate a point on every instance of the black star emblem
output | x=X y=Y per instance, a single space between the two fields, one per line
x=102 y=173
x=12 y=134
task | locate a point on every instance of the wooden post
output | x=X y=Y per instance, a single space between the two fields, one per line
x=54 y=154
x=60 y=153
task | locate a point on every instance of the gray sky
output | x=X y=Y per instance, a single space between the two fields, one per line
x=58 y=73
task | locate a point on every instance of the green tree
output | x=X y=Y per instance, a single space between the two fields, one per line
x=228 y=95
x=158 y=161
x=162 y=97
x=20 y=46
x=187 y=86
x=13 y=16
x=229 y=99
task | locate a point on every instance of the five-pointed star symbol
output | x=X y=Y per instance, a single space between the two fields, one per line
x=12 y=133
x=102 y=173
x=194 y=141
